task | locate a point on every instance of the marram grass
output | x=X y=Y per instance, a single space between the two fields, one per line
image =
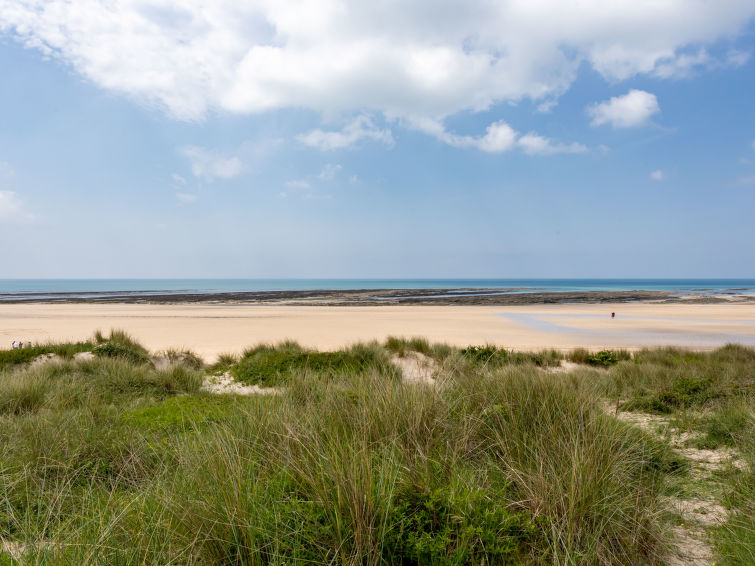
x=112 y=461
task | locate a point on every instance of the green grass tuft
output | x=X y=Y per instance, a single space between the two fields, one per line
x=271 y=366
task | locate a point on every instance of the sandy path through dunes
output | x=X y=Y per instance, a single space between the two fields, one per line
x=212 y=329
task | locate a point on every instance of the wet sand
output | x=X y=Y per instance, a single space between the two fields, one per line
x=213 y=329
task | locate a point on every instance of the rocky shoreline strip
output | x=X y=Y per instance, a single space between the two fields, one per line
x=370 y=297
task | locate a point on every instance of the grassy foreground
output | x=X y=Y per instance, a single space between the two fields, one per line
x=119 y=457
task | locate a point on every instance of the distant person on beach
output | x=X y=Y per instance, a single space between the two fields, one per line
x=16 y=344
x=613 y=315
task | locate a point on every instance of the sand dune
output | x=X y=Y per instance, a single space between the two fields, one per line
x=212 y=329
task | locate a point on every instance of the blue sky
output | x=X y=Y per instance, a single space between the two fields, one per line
x=405 y=139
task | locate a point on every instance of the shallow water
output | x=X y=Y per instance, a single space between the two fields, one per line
x=674 y=333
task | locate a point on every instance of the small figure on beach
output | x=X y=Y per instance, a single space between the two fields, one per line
x=613 y=315
x=16 y=345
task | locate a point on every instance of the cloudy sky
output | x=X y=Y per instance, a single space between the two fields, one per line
x=412 y=138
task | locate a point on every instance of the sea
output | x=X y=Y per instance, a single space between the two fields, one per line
x=13 y=289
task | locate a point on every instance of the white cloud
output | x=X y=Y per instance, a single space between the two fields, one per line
x=187 y=198
x=746 y=181
x=498 y=138
x=11 y=208
x=657 y=175
x=298 y=184
x=358 y=129
x=208 y=165
x=546 y=106
x=178 y=179
x=329 y=171
x=682 y=65
x=416 y=59
x=533 y=144
x=630 y=110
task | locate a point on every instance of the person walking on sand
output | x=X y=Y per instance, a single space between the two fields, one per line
x=15 y=345
x=613 y=315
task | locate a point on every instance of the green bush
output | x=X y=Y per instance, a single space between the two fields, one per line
x=484 y=354
x=603 y=358
x=446 y=527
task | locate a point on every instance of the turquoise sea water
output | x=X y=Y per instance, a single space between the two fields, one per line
x=85 y=287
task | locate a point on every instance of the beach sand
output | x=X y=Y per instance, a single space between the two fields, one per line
x=213 y=329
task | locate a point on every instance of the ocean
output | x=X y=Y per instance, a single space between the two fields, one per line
x=10 y=288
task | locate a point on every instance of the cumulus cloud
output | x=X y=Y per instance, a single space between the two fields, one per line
x=498 y=138
x=358 y=129
x=208 y=165
x=630 y=110
x=404 y=59
x=657 y=175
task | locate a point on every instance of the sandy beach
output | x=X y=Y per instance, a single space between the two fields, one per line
x=213 y=329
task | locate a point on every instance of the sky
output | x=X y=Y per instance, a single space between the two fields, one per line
x=412 y=138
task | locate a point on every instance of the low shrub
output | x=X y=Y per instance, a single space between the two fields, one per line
x=603 y=358
x=484 y=354
x=448 y=526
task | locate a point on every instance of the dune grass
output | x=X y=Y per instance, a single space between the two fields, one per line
x=14 y=358
x=270 y=366
x=112 y=461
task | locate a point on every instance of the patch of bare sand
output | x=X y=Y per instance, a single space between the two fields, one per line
x=714 y=459
x=564 y=367
x=45 y=359
x=225 y=385
x=416 y=367
x=692 y=546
